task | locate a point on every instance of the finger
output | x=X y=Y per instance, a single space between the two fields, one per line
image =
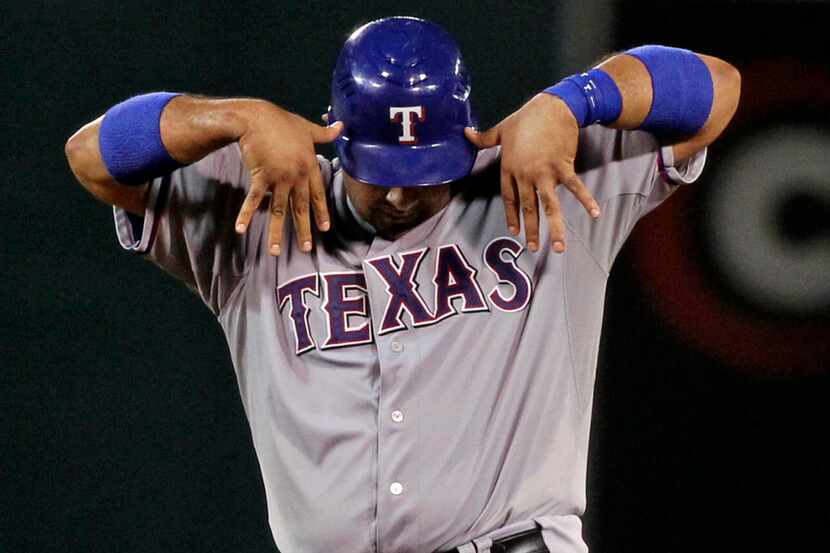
x=300 y=214
x=578 y=189
x=279 y=206
x=510 y=197
x=481 y=140
x=553 y=214
x=324 y=135
x=317 y=192
x=252 y=200
x=530 y=214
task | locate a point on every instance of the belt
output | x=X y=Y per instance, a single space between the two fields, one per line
x=529 y=541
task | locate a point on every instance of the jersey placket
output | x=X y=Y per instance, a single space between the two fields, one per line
x=398 y=491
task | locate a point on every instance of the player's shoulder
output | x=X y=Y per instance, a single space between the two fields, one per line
x=328 y=168
x=222 y=166
x=484 y=179
x=599 y=145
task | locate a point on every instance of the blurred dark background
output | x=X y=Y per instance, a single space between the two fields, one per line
x=121 y=428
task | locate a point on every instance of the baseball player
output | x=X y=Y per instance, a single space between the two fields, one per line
x=417 y=366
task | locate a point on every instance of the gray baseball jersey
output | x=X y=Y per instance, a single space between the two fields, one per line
x=419 y=394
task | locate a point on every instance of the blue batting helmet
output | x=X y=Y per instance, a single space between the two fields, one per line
x=401 y=89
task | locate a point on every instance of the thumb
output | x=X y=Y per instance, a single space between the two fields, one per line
x=324 y=135
x=481 y=140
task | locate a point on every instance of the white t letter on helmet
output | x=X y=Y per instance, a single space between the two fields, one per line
x=404 y=116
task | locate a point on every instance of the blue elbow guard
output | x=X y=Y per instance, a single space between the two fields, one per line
x=130 y=139
x=682 y=90
x=593 y=97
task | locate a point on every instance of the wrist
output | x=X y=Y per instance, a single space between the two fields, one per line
x=557 y=107
x=242 y=115
x=592 y=97
x=192 y=127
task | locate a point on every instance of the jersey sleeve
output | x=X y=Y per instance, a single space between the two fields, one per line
x=629 y=173
x=188 y=226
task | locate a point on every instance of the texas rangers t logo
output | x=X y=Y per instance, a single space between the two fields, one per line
x=407 y=116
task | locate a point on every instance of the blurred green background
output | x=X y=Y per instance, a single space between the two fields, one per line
x=121 y=427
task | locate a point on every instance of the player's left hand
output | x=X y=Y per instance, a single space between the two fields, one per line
x=538 y=150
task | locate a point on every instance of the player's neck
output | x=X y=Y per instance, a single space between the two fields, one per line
x=392 y=211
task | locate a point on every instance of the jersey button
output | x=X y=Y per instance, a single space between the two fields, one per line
x=396 y=346
x=396 y=488
x=397 y=416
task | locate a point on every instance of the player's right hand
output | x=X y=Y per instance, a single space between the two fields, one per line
x=278 y=150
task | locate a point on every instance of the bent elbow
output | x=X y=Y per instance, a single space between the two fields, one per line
x=84 y=157
x=73 y=150
x=731 y=76
x=728 y=80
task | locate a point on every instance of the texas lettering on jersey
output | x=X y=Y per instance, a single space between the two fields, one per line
x=345 y=304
